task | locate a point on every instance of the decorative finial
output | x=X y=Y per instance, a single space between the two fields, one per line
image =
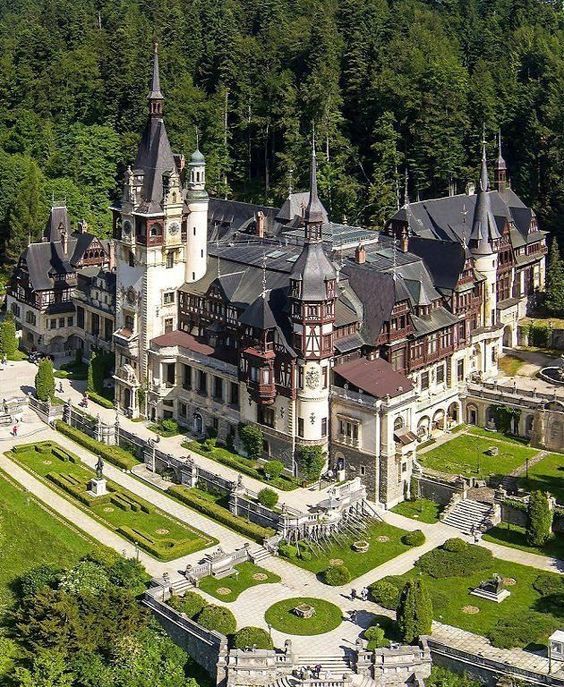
x=394 y=260
x=197 y=139
x=406 y=187
x=263 y=277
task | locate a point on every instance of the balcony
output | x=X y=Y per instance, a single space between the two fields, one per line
x=348 y=441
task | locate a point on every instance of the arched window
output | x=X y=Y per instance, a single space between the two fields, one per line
x=398 y=423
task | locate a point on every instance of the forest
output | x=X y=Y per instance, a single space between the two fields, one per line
x=398 y=91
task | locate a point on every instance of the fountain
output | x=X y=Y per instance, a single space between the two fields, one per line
x=554 y=374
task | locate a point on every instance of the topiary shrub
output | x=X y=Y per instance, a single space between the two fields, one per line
x=249 y=637
x=273 y=469
x=218 y=618
x=415 y=611
x=252 y=438
x=415 y=538
x=521 y=629
x=191 y=603
x=539 y=524
x=375 y=637
x=386 y=593
x=45 y=380
x=455 y=545
x=336 y=575
x=267 y=497
x=440 y=563
x=287 y=550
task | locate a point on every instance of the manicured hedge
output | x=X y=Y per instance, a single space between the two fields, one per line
x=386 y=593
x=220 y=514
x=249 y=637
x=414 y=538
x=336 y=575
x=190 y=604
x=163 y=549
x=441 y=563
x=113 y=454
x=522 y=629
x=217 y=618
x=100 y=400
x=455 y=545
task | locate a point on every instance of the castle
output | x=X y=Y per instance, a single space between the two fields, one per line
x=325 y=335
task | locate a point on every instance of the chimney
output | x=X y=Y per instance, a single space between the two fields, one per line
x=360 y=254
x=112 y=256
x=82 y=226
x=404 y=240
x=260 y=224
x=64 y=241
x=470 y=189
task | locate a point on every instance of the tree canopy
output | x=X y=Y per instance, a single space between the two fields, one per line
x=389 y=86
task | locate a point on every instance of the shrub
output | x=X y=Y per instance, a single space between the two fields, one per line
x=311 y=460
x=305 y=555
x=100 y=400
x=217 y=618
x=415 y=538
x=336 y=575
x=37 y=578
x=252 y=438
x=547 y=584
x=113 y=454
x=8 y=338
x=386 y=593
x=375 y=637
x=169 y=425
x=539 y=523
x=45 y=380
x=273 y=469
x=440 y=563
x=415 y=612
x=521 y=629
x=267 y=497
x=248 y=637
x=191 y=603
x=455 y=545
x=220 y=514
x=287 y=550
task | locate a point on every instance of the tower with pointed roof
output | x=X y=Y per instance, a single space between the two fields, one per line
x=500 y=167
x=150 y=242
x=312 y=309
x=484 y=242
x=197 y=202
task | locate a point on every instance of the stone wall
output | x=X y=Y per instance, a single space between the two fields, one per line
x=437 y=489
x=514 y=515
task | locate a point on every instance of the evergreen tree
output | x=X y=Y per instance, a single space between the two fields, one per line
x=555 y=281
x=27 y=212
x=415 y=612
x=90 y=381
x=8 y=339
x=539 y=524
x=45 y=381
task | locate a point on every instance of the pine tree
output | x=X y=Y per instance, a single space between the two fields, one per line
x=555 y=281
x=415 y=612
x=45 y=381
x=26 y=213
x=8 y=339
x=90 y=385
x=539 y=525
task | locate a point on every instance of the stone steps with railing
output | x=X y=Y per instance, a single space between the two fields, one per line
x=468 y=516
x=333 y=665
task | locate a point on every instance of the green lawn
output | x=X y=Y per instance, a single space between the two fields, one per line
x=31 y=535
x=360 y=563
x=156 y=532
x=547 y=475
x=451 y=595
x=514 y=536
x=510 y=364
x=499 y=436
x=248 y=575
x=423 y=510
x=466 y=455
x=327 y=617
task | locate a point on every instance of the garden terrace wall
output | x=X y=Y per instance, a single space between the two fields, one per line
x=514 y=514
x=438 y=489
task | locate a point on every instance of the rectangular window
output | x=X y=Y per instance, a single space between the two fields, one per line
x=61 y=321
x=186 y=377
x=398 y=359
x=323 y=426
x=265 y=416
x=168 y=323
x=218 y=389
x=79 y=317
x=182 y=410
x=460 y=370
x=170 y=373
x=300 y=377
x=70 y=321
x=440 y=374
x=108 y=329
x=168 y=297
x=234 y=394
x=300 y=426
x=363 y=470
x=129 y=322
x=202 y=382
x=170 y=260
x=424 y=380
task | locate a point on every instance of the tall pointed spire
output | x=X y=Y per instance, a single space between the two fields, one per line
x=484 y=234
x=484 y=180
x=313 y=215
x=500 y=167
x=155 y=96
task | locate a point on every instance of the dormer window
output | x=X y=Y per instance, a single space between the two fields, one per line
x=295 y=288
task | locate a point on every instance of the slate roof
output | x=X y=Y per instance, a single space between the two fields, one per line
x=295 y=205
x=154 y=158
x=58 y=220
x=259 y=314
x=444 y=259
x=375 y=377
x=313 y=268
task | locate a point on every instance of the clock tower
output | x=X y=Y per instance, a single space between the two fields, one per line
x=149 y=232
x=312 y=303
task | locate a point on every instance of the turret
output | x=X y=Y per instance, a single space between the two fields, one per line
x=155 y=97
x=500 y=168
x=197 y=202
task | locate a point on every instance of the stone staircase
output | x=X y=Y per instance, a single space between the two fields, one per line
x=334 y=665
x=260 y=554
x=467 y=516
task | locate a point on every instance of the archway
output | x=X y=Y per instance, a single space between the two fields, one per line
x=198 y=424
x=127 y=397
x=529 y=424
x=398 y=423
x=490 y=417
x=477 y=358
x=439 y=419
x=507 y=336
x=453 y=412
x=471 y=415
x=423 y=427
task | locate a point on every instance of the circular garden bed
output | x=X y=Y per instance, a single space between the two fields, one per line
x=282 y=616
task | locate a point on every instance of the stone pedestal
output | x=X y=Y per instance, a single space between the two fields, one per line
x=97 y=487
x=490 y=595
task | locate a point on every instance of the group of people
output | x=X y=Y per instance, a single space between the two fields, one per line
x=362 y=594
x=307 y=672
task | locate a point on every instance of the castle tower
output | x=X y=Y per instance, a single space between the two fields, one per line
x=312 y=302
x=197 y=202
x=150 y=252
x=483 y=243
x=500 y=168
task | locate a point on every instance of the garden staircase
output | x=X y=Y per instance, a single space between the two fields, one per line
x=337 y=666
x=469 y=516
